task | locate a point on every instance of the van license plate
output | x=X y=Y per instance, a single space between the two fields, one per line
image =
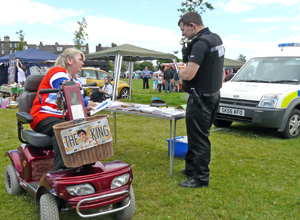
x=232 y=111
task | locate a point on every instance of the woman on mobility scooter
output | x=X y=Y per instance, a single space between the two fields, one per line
x=45 y=113
x=100 y=188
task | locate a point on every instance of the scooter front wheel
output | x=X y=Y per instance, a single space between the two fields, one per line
x=128 y=213
x=12 y=183
x=48 y=207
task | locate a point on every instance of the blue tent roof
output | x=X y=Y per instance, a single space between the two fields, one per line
x=31 y=55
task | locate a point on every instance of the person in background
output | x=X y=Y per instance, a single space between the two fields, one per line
x=168 y=76
x=44 y=112
x=160 y=82
x=145 y=74
x=202 y=79
x=175 y=80
x=155 y=82
x=21 y=72
x=107 y=90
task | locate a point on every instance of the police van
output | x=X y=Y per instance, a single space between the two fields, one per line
x=265 y=92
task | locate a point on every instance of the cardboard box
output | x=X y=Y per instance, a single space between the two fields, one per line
x=180 y=147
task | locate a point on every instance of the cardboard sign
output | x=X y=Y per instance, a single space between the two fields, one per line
x=86 y=136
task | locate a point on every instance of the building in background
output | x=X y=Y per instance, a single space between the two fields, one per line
x=8 y=47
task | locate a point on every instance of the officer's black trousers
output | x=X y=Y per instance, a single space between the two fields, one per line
x=198 y=124
x=46 y=127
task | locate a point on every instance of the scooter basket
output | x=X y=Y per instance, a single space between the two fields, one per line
x=72 y=143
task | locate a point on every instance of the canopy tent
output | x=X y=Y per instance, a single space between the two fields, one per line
x=232 y=63
x=227 y=63
x=31 y=55
x=127 y=52
x=32 y=59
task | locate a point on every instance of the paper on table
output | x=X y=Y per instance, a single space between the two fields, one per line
x=101 y=106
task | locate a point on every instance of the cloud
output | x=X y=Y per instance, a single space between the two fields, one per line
x=34 y=12
x=272 y=19
x=237 y=6
x=267 y=29
x=295 y=28
x=235 y=37
x=103 y=30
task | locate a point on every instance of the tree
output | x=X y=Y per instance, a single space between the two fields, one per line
x=22 y=43
x=194 y=5
x=110 y=66
x=124 y=67
x=135 y=66
x=80 y=35
x=147 y=64
x=241 y=58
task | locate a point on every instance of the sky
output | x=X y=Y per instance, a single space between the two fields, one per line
x=245 y=26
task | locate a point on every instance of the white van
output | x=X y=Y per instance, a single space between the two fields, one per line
x=265 y=92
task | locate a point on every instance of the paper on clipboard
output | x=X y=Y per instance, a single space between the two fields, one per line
x=101 y=105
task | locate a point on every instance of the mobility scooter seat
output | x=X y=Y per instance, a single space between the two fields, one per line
x=25 y=104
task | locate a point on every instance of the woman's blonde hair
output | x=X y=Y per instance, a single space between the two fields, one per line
x=69 y=52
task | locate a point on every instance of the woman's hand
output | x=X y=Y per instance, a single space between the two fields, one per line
x=88 y=109
x=101 y=90
x=91 y=104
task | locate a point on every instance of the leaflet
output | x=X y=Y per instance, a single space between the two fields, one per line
x=101 y=106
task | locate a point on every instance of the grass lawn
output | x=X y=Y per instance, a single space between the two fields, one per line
x=254 y=173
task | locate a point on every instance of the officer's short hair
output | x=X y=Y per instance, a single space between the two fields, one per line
x=189 y=17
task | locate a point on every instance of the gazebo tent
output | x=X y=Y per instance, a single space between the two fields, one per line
x=232 y=63
x=32 y=58
x=129 y=53
x=31 y=55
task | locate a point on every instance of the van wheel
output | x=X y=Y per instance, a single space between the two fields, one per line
x=222 y=123
x=48 y=207
x=124 y=93
x=12 y=183
x=292 y=127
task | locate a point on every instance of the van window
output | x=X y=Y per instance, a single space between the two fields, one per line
x=270 y=69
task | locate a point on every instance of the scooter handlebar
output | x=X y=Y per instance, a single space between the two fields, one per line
x=89 y=84
x=43 y=91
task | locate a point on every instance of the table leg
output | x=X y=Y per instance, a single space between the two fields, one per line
x=171 y=150
x=115 y=127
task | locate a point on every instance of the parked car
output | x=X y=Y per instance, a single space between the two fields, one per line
x=97 y=75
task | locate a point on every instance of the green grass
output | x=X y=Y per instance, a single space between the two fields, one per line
x=254 y=174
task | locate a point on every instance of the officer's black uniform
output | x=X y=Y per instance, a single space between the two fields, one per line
x=208 y=52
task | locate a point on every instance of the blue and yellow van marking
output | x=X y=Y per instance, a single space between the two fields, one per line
x=288 y=98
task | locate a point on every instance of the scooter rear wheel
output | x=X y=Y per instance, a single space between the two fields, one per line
x=12 y=183
x=48 y=207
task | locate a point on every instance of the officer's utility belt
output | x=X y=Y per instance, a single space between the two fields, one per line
x=199 y=98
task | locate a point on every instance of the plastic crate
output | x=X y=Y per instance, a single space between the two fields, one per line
x=180 y=147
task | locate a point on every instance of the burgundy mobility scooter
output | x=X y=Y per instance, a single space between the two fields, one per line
x=92 y=188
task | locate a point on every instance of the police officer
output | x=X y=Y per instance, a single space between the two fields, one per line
x=202 y=79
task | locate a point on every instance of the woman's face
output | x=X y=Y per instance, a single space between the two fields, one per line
x=75 y=64
x=105 y=80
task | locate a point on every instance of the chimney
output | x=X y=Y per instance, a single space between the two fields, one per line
x=6 y=38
